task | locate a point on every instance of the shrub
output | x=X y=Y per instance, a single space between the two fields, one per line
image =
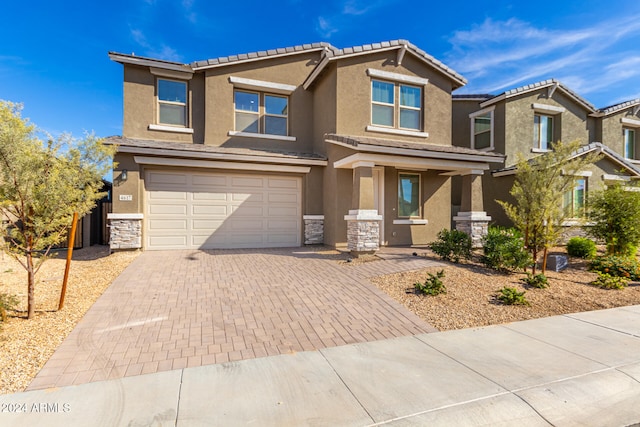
x=537 y=281
x=452 y=245
x=504 y=250
x=581 y=247
x=615 y=214
x=433 y=285
x=7 y=302
x=616 y=266
x=607 y=281
x=511 y=296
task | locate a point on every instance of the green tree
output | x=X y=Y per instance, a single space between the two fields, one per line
x=538 y=192
x=41 y=185
x=615 y=214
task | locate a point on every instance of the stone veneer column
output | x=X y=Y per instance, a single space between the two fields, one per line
x=125 y=231
x=475 y=224
x=363 y=231
x=313 y=229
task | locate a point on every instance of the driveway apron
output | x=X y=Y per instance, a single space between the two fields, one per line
x=175 y=309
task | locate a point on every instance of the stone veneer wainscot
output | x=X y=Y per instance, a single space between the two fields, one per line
x=125 y=231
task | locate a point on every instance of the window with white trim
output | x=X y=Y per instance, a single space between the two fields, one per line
x=259 y=112
x=629 y=143
x=482 y=129
x=172 y=102
x=543 y=131
x=408 y=195
x=575 y=199
x=396 y=105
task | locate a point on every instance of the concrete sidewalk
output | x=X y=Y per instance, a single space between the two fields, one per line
x=579 y=369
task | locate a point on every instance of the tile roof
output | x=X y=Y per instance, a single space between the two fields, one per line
x=263 y=54
x=362 y=141
x=472 y=96
x=202 y=148
x=411 y=47
x=333 y=53
x=540 y=85
x=586 y=149
x=620 y=106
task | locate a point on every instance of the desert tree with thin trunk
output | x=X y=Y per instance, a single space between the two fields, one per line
x=538 y=191
x=42 y=183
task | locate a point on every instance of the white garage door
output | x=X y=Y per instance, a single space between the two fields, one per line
x=199 y=210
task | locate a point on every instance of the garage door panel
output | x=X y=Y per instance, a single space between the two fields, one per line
x=169 y=209
x=240 y=225
x=247 y=211
x=220 y=210
x=286 y=211
x=247 y=181
x=216 y=197
x=201 y=225
x=210 y=210
x=283 y=224
x=212 y=181
x=283 y=198
x=247 y=197
x=290 y=183
x=168 y=195
x=168 y=224
x=167 y=178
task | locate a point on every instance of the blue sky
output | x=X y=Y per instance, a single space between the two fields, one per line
x=53 y=55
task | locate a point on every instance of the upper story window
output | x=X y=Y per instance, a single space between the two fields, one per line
x=408 y=195
x=172 y=102
x=396 y=105
x=542 y=131
x=482 y=129
x=629 y=143
x=257 y=112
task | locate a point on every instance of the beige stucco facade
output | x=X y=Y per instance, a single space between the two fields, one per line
x=333 y=172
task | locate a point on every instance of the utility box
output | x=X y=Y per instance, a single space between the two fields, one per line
x=557 y=262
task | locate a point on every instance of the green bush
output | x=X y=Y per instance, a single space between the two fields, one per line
x=7 y=302
x=537 y=281
x=616 y=266
x=511 y=296
x=581 y=247
x=452 y=245
x=433 y=285
x=615 y=215
x=607 y=281
x=504 y=250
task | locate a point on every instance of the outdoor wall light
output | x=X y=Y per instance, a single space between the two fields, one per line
x=123 y=175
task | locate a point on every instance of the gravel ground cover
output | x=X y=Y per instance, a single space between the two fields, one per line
x=26 y=345
x=470 y=300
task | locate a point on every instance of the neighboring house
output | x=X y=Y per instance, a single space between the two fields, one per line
x=618 y=127
x=301 y=145
x=524 y=122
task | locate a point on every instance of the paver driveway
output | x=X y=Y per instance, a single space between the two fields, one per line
x=175 y=309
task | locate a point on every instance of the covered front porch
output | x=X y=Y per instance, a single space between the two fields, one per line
x=401 y=191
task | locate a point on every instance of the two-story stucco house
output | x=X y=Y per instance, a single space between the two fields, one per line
x=307 y=144
x=618 y=128
x=525 y=122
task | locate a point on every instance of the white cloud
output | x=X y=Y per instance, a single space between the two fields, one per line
x=345 y=14
x=499 y=55
x=159 y=51
x=325 y=28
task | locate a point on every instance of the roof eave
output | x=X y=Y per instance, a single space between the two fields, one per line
x=149 y=62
